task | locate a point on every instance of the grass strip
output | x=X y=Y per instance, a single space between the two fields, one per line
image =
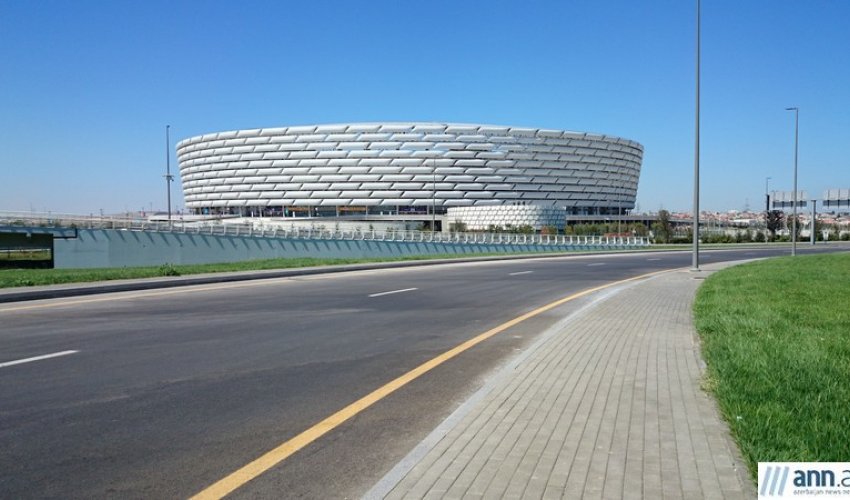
x=776 y=339
x=14 y=255
x=36 y=277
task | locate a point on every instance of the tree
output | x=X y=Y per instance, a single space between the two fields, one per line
x=820 y=227
x=789 y=222
x=662 y=229
x=638 y=229
x=457 y=226
x=774 y=222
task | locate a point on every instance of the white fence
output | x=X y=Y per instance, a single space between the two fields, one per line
x=278 y=229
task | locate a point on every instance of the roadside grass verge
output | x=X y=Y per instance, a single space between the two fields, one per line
x=776 y=339
x=14 y=255
x=35 y=277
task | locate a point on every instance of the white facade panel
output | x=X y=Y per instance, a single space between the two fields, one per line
x=394 y=163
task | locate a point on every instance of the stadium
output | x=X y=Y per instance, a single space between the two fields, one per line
x=406 y=170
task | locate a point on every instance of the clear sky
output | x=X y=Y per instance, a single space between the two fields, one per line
x=86 y=88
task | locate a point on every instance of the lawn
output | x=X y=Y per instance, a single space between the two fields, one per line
x=34 y=277
x=776 y=339
x=15 y=255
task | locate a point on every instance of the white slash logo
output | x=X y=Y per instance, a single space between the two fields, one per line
x=773 y=481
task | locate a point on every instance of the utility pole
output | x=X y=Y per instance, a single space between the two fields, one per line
x=619 y=212
x=433 y=197
x=796 y=142
x=814 y=220
x=695 y=260
x=767 y=194
x=168 y=176
x=766 y=206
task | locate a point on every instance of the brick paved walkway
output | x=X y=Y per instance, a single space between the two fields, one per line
x=608 y=405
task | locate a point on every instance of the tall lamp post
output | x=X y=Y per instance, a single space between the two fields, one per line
x=695 y=263
x=812 y=236
x=168 y=176
x=767 y=194
x=437 y=154
x=767 y=204
x=619 y=212
x=433 y=196
x=796 y=142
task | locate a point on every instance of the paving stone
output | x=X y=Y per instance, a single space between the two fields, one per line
x=608 y=406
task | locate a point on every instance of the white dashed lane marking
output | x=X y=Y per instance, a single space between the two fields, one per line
x=392 y=292
x=36 y=358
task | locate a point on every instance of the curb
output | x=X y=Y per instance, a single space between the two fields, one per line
x=79 y=289
x=92 y=288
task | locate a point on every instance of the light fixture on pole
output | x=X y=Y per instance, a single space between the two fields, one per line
x=796 y=142
x=767 y=194
x=437 y=153
x=695 y=260
x=812 y=236
x=619 y=211
x=168 y=176
x=433 y=196
x=767 y=204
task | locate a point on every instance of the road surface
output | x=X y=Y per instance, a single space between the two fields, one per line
x=159 y=394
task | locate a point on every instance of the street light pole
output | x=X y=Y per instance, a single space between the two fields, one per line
x=168 y=176
x=767 y=194
x=695 y=263
x=812 y=236
x=766 y=206
x=619 y=212
x=796 y=143
x=433 y=196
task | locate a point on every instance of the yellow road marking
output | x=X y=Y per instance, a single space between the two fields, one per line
x=255 y=468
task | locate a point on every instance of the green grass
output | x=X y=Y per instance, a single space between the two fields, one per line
x=35 y=277
x=13 y=255
x=776 y=339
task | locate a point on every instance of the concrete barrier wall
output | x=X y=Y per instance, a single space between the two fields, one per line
x=121 y=248
x=117 y=248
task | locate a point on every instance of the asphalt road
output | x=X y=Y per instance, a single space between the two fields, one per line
x=170 y=390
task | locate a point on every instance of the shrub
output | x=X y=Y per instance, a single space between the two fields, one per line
x=717 y=238
x=168 y=270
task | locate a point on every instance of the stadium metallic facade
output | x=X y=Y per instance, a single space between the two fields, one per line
x=405 y=168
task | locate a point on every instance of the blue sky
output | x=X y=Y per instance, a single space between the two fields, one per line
x=86 y=88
